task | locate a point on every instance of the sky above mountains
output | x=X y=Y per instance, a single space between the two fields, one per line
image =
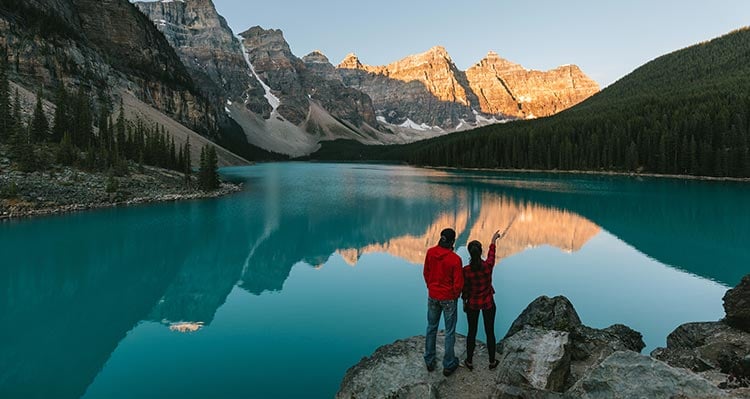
x=606 y=39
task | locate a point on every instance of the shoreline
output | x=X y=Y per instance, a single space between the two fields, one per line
x=25 y=214
x=596 y=173
x=552 y=171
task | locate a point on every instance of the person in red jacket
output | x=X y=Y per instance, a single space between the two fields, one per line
x=478 y=297
x=444 y=277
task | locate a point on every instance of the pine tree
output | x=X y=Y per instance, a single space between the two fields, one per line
x=173 y=155
x=39 y=125
x=67 y=153
x=213 y=168
x=187 y=166
x=21 y=151
x=60 y=124
x=5 y=111
x=120 y=129
x=202 y=171
x=82 y=131
x=208 y=177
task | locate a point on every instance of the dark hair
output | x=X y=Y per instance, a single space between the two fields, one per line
x=475 y=250
x=447 y=238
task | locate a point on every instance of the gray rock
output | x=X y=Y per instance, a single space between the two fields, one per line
x=709 y=347
x=510 y=392
x=535 y=358
x=737 y=305
x=589 y=346
x=398 y=371
x=547 y=313
x=630 y=375
x=716 y=350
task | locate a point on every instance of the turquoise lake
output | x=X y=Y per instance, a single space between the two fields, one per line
x=276 y=291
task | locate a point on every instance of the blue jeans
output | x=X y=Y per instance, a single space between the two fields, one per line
x=450 y=313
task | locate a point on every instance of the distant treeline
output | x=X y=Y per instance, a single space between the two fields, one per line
x=685 y=113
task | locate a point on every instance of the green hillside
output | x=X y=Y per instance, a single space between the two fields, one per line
x=684 y=113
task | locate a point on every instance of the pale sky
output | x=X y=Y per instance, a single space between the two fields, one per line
x=607 y=39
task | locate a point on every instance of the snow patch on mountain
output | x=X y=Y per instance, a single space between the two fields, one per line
x=273 y=101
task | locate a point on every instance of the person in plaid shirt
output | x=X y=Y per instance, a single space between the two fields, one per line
x=478 y=297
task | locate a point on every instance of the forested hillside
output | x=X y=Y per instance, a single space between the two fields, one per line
x=684 y=113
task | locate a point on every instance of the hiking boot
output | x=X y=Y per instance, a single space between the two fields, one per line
x=431 y=367
x=448 y=372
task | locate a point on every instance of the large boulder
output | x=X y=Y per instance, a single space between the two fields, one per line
x=398 y=371
x=588 y=346
x=737 y=305
x=535 y=358
x=709 y=347
x=630 y=375
x=547 y=313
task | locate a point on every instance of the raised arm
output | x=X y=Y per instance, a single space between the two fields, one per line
x=490 y=262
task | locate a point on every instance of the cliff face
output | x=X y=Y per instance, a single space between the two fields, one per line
x=428 y=88
x=507 y=88
x=296 y=81
x=101 y=45
x=208 y=48
x=424 y=88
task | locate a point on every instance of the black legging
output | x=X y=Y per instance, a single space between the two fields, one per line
x=489 y=329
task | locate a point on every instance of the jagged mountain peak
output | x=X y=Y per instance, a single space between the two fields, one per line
x=260 y=31
x=269 y=39
x=440 y=50
x=316 y=56
x=351 y=61
x=494 y=61
x=434 y=54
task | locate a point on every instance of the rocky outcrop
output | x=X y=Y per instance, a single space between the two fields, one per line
x=737 y=305
x=588 y=346
x=625 y=375
x=718 y=350
x=712 y=348
x=428 y=88
x=538 y=359
x=398 y=371
x=549 y=354
x=507 y=88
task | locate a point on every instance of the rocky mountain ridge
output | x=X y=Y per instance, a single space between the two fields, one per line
x=429 y=88
x=420 y=96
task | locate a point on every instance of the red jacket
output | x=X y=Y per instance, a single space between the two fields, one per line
x=443 y=274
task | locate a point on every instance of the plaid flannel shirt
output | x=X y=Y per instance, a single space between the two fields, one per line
x=478 y=291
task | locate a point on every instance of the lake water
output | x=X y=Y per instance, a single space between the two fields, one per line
x=275 y=291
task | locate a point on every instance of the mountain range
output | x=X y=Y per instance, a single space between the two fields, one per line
x=288 y=105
